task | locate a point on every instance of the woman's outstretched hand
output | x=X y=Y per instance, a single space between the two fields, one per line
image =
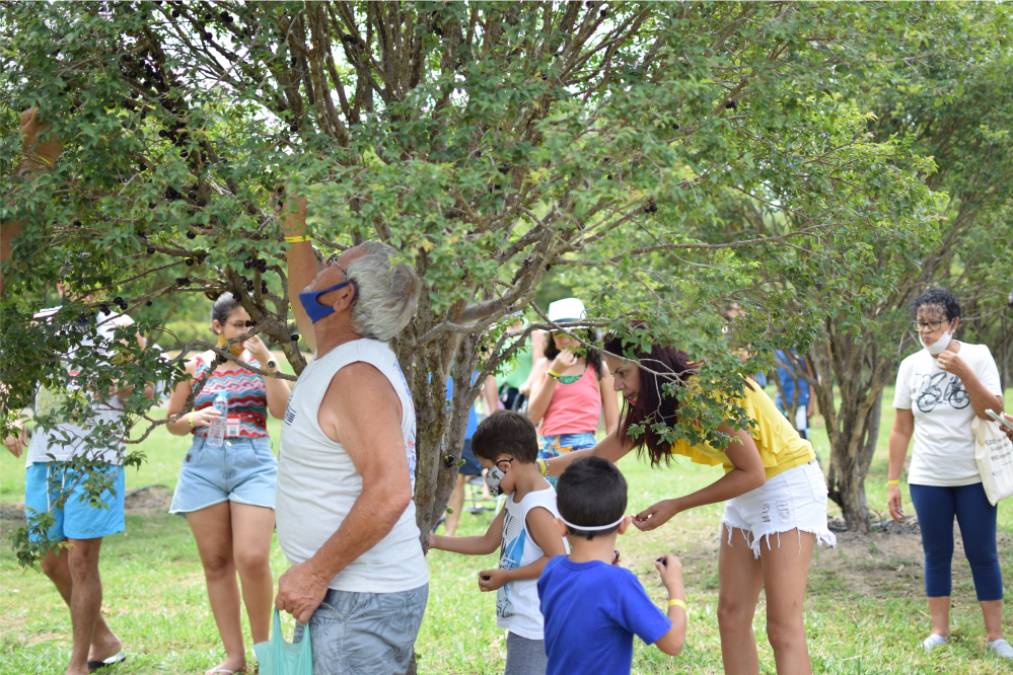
x=656 y=515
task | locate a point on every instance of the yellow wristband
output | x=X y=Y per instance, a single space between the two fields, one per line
x=296 y=239
x=678 y=602
x=895 y=481
x=553 y=374
x=543 y=467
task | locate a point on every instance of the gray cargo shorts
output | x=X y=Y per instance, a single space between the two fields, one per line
x=365 y=633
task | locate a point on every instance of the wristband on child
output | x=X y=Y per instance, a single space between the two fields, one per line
x=543 y=467
x=891 y=483
x=678 y=602
x=296 y=239
x=554 y=375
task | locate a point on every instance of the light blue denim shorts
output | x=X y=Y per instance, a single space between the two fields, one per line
x=365 y=633
x=78 y=517
x=243 y=470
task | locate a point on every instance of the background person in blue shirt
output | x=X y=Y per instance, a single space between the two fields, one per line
x=792 y=390
x=470 y=467
x=592 y=608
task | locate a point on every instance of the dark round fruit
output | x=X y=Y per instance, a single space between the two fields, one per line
x=151 y=249
x=191 y=235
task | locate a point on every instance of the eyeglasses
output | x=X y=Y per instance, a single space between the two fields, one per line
x=930 y=326
x=332 y=261
x=507 y=461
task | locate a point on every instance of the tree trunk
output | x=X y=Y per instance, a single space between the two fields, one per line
x=850 y=460
x=857 y=373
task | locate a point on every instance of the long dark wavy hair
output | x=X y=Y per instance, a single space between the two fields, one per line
x=592 y=357
x=666 y=365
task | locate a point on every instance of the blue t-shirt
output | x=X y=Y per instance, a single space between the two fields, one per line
x=469 y=429
x=592 y=611
x=788 y=378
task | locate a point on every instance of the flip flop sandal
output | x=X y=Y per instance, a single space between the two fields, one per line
x=105 y=663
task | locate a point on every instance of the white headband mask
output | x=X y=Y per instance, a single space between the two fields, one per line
x=592 y=528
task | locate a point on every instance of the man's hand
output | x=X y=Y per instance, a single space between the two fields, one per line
x=300 y=591
x=491 y=580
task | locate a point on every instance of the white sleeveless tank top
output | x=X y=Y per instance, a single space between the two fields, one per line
x=318 y=483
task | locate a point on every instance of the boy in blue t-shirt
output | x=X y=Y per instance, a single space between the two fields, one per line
x=592 y=608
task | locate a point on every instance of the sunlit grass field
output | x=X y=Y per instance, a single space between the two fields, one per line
x=865 y=611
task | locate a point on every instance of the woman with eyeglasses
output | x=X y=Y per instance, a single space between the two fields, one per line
x=226 y=487
x=572 y=388
x=940 y=389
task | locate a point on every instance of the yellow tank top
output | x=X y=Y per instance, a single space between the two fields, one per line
x=780 y=446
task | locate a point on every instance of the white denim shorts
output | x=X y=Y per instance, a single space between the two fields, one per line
x=793 y=500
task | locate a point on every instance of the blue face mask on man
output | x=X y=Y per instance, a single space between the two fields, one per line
x=315 y=309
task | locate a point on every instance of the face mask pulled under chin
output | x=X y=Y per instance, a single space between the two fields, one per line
x=940 y=345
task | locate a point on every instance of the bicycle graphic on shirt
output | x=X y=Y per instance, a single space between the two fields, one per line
x=938 y=388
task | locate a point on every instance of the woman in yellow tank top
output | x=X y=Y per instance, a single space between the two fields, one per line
x=772 y=488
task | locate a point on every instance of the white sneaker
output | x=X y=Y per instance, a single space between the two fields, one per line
x=934 y=640
x=1001 y=648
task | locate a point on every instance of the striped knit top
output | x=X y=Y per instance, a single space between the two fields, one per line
x=247 y=398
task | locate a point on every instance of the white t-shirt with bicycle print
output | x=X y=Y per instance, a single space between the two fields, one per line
x=943 y=450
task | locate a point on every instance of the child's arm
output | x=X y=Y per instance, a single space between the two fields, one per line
x=487 y=543
x=670 y=569
x=545 y=532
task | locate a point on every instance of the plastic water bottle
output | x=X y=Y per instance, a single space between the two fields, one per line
x=216 y=434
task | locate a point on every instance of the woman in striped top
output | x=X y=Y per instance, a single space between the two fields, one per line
x=227 y=491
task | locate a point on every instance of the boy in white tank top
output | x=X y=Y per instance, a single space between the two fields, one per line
x=526 y=531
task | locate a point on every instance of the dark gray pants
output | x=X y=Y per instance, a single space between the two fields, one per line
x=524 y=656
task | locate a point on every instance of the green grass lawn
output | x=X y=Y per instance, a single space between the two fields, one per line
x=865 y=611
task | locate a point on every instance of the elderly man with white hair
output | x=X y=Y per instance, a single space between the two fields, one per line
x=346 y=519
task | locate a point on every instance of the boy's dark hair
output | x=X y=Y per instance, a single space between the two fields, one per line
x=940 y=297
x=506 y=432
x=592 y=492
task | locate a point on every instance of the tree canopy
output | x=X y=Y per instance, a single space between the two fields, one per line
x=668 y=161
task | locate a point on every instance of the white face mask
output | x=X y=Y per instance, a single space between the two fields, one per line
x=940 y=345
x=493 y=479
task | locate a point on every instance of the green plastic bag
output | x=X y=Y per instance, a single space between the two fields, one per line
x=277 y=657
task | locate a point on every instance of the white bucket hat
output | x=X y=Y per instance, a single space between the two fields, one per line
x=567 y=309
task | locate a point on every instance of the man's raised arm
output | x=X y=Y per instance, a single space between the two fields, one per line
x=302 y=263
